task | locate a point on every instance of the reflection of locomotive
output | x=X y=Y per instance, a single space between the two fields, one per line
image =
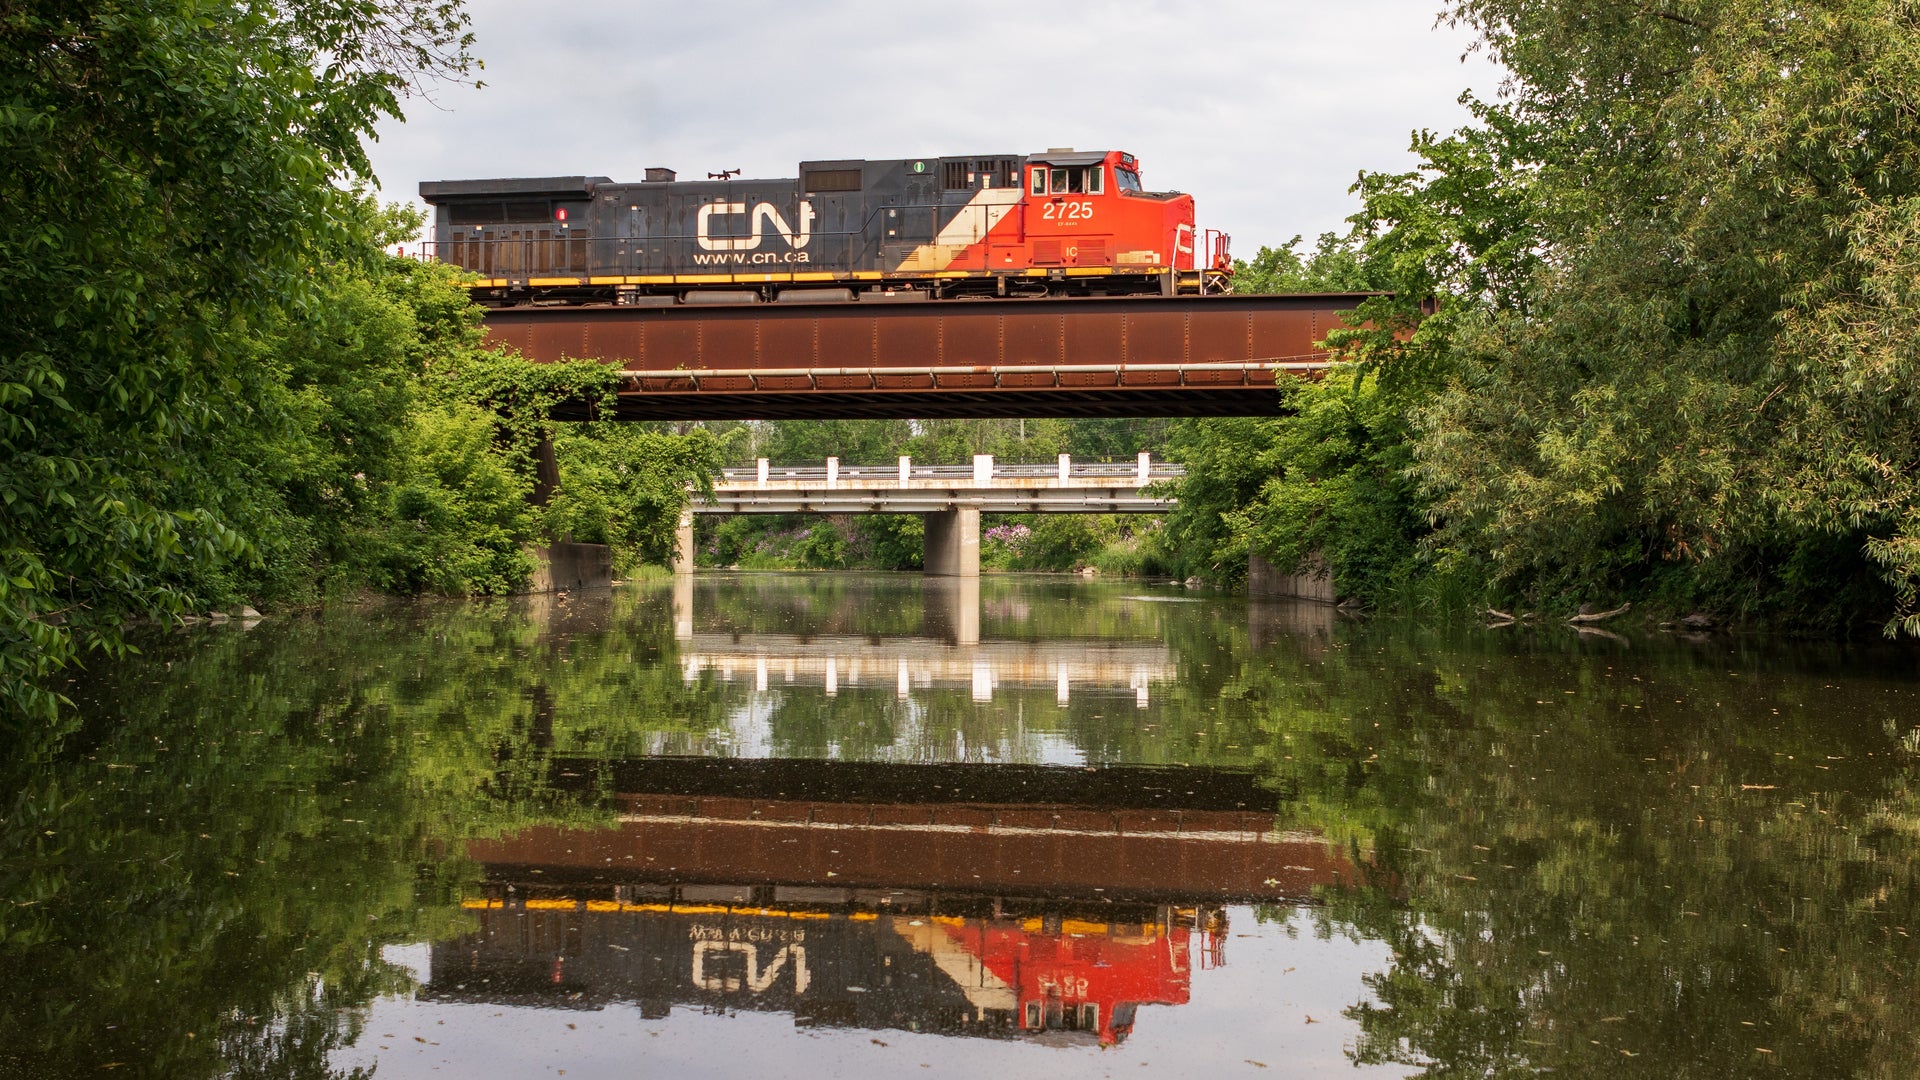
x=1063 y=974
x=1056 y=223
x=883 y=961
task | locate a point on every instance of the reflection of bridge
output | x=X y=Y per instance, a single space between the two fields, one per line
x=908 y=663
x=951 y=497
x=991 y=900
x=1140 y=833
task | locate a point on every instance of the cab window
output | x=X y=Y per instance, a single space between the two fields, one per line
x=1076 y=179
x=1126 y=179
x=1070 y=180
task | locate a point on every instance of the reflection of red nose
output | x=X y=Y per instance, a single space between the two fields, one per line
x=557 y=973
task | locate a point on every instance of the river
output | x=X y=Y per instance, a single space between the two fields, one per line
x=764 y=825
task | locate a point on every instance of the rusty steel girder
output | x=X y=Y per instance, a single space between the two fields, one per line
x=1100 y=356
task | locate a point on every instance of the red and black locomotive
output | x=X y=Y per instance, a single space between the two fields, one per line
x=1051 y=224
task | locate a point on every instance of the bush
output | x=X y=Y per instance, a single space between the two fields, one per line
x=821 y=546
x=893 y=541
x=459 y=517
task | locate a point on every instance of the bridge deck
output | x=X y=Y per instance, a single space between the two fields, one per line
x=1102 y=356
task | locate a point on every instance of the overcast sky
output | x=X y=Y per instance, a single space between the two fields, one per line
x=1265 y=111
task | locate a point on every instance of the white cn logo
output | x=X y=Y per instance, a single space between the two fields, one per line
x=762 y=216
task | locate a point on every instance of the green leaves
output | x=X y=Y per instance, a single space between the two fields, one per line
x=167 y=183
x=1674 y=348
x=625 y=486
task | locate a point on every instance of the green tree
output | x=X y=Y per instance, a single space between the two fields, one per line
x=1337 y=488
x=1323 y=480
x=625 y=487
x=855 y=442
x=1334 y=265
x=169 y=176
x=1703 y=388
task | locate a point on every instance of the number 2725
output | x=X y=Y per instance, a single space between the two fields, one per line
x=1067 y=211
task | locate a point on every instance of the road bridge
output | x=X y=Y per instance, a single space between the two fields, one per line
x=907 y=664
x=951 y=497
x=1079 y=357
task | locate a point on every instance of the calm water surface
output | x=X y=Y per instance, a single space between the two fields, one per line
x=808 y=825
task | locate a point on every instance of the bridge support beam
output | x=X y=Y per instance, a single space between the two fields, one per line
x=683 y=543
x=953 y=542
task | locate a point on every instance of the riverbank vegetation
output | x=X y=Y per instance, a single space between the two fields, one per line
x=1674 y=358
x=216 y=388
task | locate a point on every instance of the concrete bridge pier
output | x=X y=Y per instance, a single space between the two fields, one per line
x=953 y=542
x=683 y=543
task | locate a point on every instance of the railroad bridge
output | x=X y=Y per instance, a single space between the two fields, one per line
x=1080 y=357
x=951 y=497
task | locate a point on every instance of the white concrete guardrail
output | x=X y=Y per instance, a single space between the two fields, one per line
x=983 y=473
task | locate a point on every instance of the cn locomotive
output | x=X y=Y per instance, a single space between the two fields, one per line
x=1052 y=224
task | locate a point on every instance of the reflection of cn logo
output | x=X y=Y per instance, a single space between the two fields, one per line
x=763 y=215
x=758 y=979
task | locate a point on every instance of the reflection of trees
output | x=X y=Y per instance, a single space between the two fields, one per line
x=1026 y=608
x=252 y=816
x=1609 y=865
x=882 y=604
x=1654 y=864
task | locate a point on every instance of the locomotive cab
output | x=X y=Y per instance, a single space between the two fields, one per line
x=1087 y=213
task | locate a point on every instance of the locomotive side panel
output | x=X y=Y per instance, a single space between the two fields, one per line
x=705 y=229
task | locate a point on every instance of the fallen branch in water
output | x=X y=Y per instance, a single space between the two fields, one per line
x=1599 y=616
x=1496 y=613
